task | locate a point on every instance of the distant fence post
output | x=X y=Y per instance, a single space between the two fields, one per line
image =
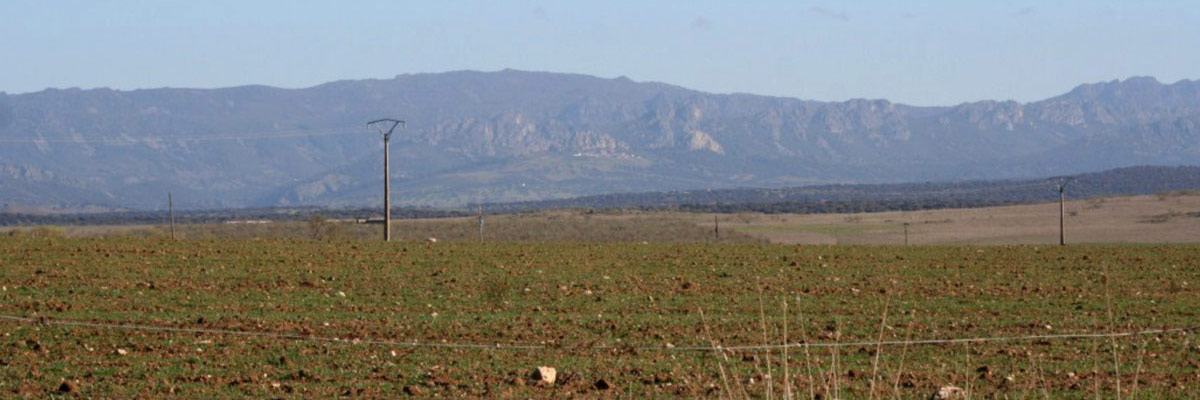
x=171 y=213
x=716 y=229
x=1062 y=212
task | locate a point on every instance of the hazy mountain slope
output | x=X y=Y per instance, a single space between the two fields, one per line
x=514 y=135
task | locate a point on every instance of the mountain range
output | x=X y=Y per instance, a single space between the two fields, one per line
x=520 y=136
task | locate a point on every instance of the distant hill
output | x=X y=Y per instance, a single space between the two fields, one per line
x=890 y=197
x=515 y=136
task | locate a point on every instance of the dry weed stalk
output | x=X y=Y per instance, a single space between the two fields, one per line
x=879 y=345
x=1137 y=371
x=1041 y=378
x=807 y=356
x=903 y=353
x=762 y=318
x=967 y=386
x=1095 y=362
x=1115 y=348
x=717 y=348
x=833 y=369
x=787 y=348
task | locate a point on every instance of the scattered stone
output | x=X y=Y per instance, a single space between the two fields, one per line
x=949 y=393
x=341 y=294
x=440 y=379
x=602 y=384
x=121 y=352
x=308 y=376
x=544 y=375
x=661 y=378
x=413 y=390
x=688 y=286
x=68 y=387
x=431 y=239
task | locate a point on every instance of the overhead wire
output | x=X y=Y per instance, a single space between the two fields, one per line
x=168 y=139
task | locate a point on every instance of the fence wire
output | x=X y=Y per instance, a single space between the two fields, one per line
x=525 y=346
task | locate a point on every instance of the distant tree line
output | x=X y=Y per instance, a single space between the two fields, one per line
x=810 y=199
x=886 y=197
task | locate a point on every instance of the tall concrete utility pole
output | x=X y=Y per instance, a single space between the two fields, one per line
x=385 y=127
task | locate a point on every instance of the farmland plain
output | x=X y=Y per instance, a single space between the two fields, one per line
x=1164 y=218
x=616 y=319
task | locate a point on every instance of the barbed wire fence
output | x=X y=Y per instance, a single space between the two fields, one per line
x=529 y=346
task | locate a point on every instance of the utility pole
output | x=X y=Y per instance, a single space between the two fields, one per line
x=1062 y=212
x=171 y=213
x=906 y=234
x=385 y=127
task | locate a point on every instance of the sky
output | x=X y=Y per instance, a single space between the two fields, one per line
x=913 y=52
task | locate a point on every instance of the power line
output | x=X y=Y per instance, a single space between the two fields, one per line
x=125 y=140
x=520 y=346
x=980 y=189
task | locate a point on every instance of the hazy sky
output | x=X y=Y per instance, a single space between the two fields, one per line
x=927 y=53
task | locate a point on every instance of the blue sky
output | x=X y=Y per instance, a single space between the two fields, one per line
x=926 y=53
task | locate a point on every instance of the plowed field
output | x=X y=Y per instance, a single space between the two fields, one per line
x=304 y=318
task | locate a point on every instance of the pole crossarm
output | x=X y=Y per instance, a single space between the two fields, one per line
x=385 y=126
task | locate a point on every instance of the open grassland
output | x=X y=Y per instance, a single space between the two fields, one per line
x=552 y=226
x=1168 y=218
x=624 y=314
